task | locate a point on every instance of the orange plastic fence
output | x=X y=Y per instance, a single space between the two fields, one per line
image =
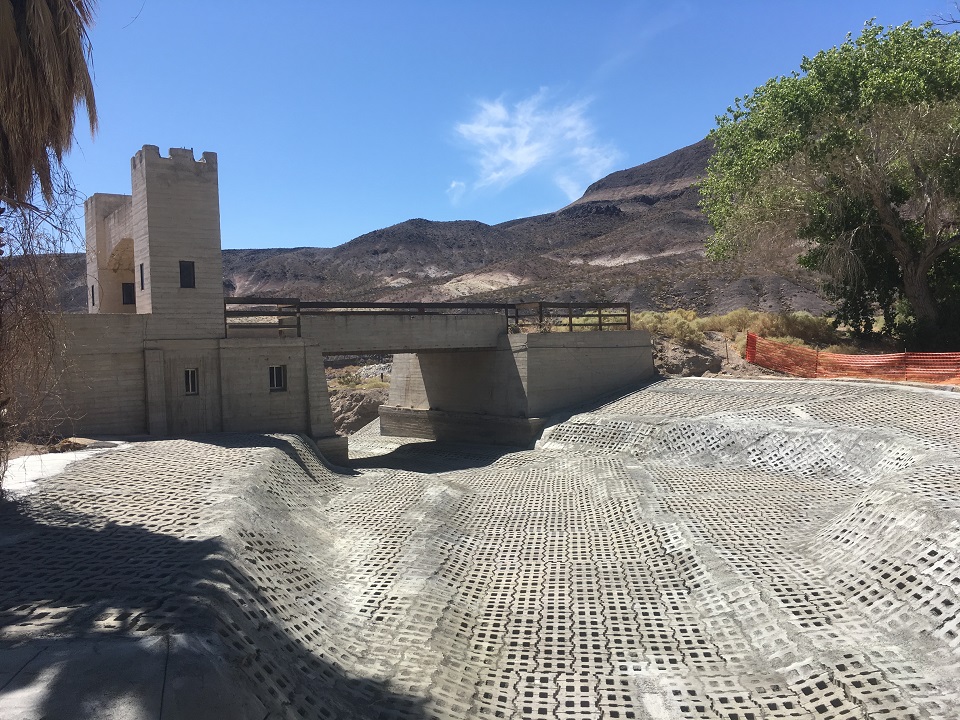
x=803 y=362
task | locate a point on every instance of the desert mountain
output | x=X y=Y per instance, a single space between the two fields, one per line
x=636 y=235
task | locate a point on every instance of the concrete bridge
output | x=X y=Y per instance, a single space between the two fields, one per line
x=488 y=372
x=162 y=352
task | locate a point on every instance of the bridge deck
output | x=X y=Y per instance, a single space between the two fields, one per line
x=410 y=327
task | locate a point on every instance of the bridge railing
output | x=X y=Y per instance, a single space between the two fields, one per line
x=285 y=314
x=572 y=317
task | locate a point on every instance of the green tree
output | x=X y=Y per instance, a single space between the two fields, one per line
x=44 y=76
x=853 y=163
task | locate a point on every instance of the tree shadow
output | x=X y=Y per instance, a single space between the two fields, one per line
x=70 y=577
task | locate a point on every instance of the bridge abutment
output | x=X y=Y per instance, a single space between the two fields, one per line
x=503 y=395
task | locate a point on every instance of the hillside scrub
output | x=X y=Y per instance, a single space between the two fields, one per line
x=686 y=328
x=681 y=326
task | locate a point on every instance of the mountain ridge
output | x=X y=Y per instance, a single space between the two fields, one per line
x=637 y=235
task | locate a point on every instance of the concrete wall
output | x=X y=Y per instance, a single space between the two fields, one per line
x=565 y=369
x=480 y=381
x=502 y=394
x=115 y=381
x=248 y=403
x=101 y=374
x=366 y=332
x=184 y=414
x=125 y=373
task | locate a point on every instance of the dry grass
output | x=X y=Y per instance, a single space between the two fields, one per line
x=350 y=378
x=799 y=328
x=681 y=326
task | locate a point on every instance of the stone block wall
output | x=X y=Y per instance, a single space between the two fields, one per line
x=109 y=252
x=99 y=378
x=565 y=369
x=176 y=217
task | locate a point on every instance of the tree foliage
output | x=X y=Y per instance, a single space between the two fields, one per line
x=44 y=76
x=853 y=163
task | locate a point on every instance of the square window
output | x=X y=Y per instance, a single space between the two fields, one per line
x=129 y=293
x=188 y=278
x=278 y=378
x=190 y=384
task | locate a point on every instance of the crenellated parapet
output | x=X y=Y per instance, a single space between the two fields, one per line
x=181 y=157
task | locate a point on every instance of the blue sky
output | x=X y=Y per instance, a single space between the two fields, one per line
x=333 y=119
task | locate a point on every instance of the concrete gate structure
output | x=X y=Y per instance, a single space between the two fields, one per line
x=154 y=354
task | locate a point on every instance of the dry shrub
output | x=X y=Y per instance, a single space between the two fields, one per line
x=681 y=326
x=842 y=349
x=684 y=327
x=810 y=329
x=731 y=324
x=30 y=277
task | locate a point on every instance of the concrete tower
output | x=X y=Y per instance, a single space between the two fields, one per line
x=176 y=242
x=157 y=251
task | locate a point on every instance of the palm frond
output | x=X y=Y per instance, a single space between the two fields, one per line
x=44 y=76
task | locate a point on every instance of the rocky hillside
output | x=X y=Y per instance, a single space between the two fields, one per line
x=636 y=235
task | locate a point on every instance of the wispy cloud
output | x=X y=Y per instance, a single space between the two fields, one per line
x=556 y=138
x=456 y=190
x=636 y=27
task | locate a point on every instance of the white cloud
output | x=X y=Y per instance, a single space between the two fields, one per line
x=456 y=190
x=556 y=138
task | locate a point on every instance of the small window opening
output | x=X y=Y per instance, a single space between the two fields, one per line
x=129 y=291
x=278 y=378
x=187 y=277
x=93 y=298
x=190 y=384
x=141 y=276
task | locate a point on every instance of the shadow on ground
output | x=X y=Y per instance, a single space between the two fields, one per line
x=74 y=587
x=434 y=457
